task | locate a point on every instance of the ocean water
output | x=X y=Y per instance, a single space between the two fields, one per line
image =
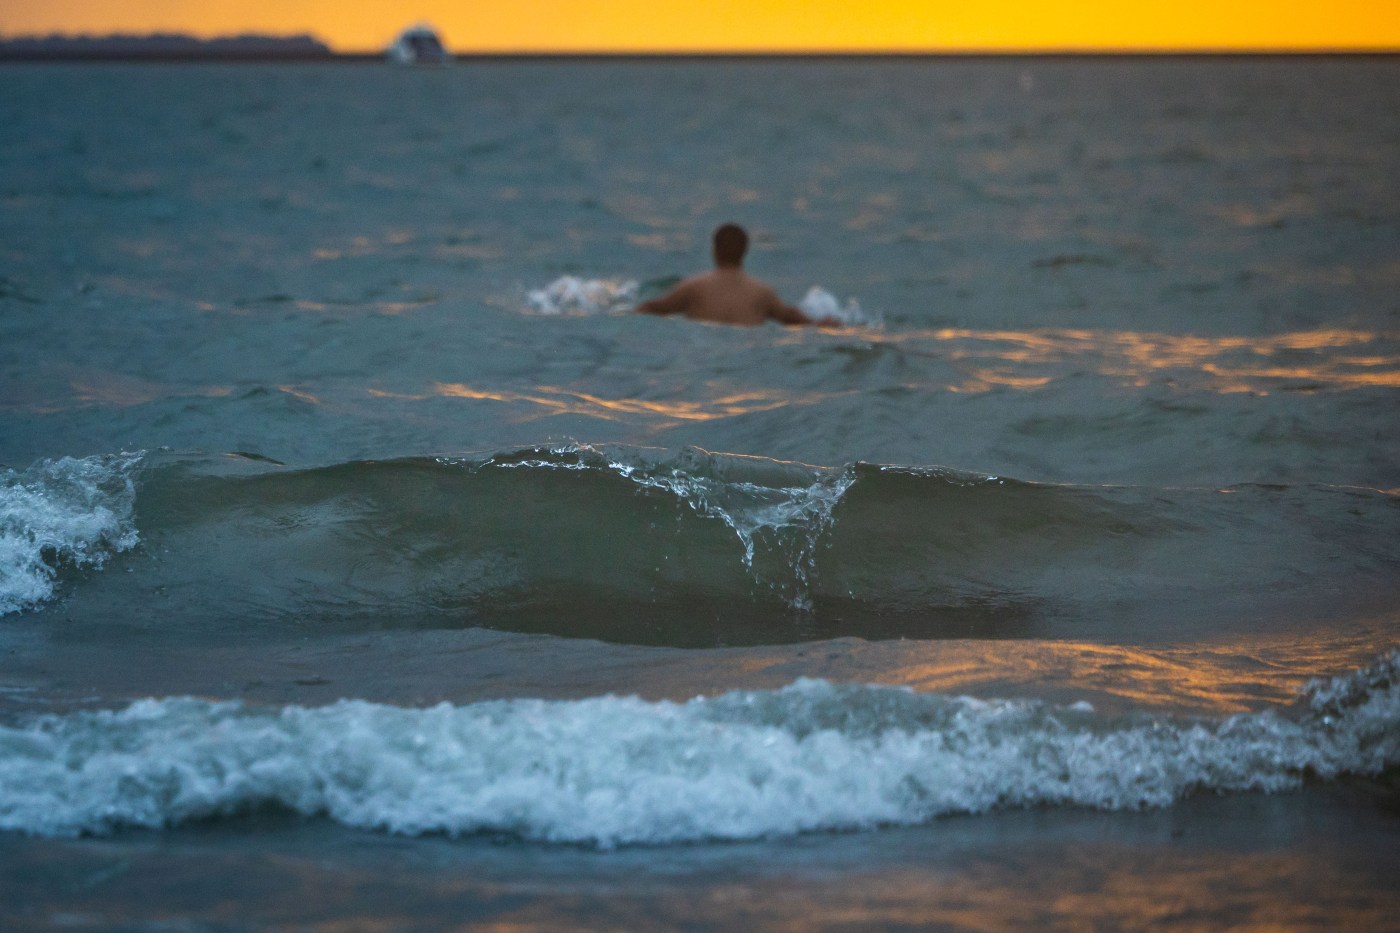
x=365 y=563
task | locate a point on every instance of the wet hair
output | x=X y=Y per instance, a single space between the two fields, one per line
x=731 y=242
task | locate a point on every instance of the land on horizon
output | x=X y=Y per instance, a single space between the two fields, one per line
x=162 y=46
x=172 y=46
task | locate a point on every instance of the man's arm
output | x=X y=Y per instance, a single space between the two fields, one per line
x=673 y=302
x=787 y=314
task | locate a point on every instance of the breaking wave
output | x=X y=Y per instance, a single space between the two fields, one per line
x=689 y=548
x=616 y=770
x=62 y=513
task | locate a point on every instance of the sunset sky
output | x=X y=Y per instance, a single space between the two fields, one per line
x=756 y=25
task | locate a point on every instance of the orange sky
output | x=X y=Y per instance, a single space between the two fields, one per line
x=755 y=25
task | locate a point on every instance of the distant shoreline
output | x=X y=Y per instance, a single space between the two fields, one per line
x=164 y=47
x=240 y=56
x=28 y=57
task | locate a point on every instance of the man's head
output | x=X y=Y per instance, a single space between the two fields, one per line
x=731 y=242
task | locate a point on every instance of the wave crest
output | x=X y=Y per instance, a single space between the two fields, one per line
x=614 y=770
x=691 y=548
x=67 y=512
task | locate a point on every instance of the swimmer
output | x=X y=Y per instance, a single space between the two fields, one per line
x=727 y=294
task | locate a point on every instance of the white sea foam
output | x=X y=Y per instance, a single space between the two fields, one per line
x=796 y=514
x=570 y=295
x=70 y=511
x=614 y=770
x=819 y=303
x=748 y=508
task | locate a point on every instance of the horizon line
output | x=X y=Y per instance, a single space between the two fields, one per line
x=836 y=52
x=824 y=53
x=737 y=52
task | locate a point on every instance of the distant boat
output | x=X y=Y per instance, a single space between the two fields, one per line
x=419 y=45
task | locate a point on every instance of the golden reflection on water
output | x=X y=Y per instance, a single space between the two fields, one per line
x=299 y=393
x=1195 y=876
x=1239 y=676
x=1299 y=361
x=983 y=380
x=556 y=401
x=1231 y=676
x=1334 y=358
x=1229 y=681
x=1026 y=361
x=1098 y=886
x=1056 y=885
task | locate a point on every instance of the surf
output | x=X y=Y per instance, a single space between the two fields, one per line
x=59 y=515
x=617 y=770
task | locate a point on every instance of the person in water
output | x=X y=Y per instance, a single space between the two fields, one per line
x=727 y=294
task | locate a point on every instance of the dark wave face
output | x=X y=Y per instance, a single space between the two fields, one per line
x=690 y=548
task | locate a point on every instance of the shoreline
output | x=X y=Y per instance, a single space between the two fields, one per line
x=239 y=57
